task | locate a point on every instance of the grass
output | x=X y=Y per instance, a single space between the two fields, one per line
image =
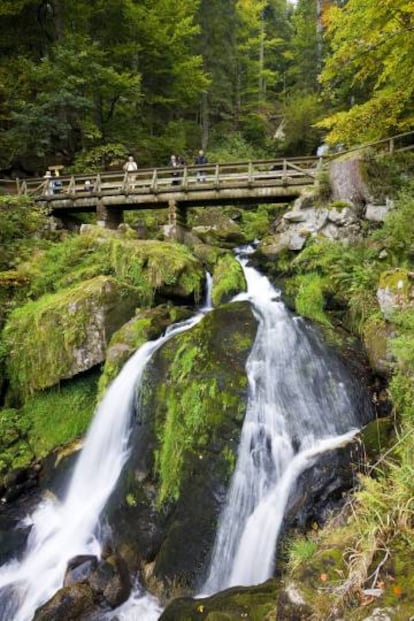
x=60 y=414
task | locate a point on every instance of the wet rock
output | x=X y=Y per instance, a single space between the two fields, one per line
x=79 y=569
x=168 y=516
x=70 y=603
x=257 y=603
x=291 y=605
x=110 y=581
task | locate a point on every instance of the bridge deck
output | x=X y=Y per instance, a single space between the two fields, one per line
x=240 y=182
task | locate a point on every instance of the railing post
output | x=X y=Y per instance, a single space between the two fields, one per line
x=72 y=185
x=184 y=181
x=125 y=182
x=18 y=185
x=97 y=184
x=154 y=181
x=391 y=145
x=250 y=173
x=284 y=172
x=217 y=176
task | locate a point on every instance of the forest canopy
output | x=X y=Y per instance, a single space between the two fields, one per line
x=84 y=83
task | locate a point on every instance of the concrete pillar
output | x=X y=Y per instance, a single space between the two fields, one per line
x=177 y=219
x=109 y=217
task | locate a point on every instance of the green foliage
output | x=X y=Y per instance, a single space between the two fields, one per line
x=21 y=227
x=256 y=224
x=140 y=264
x=228 y=280
x=233 y=148
x=15 y=451
x=350 y=274
x=309 y=301
x=397 y=234
x=301 y=112
x=372 y=48
x=98 y=158
x=300 y=549
x=61 y=414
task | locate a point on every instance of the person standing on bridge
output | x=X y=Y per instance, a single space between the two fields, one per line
x=130 y=167
x=201 y=159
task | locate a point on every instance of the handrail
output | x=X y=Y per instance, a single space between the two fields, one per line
x=154 y=180
x=390 y=140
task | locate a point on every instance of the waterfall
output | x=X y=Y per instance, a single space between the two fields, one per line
x=299 y=405
x=60 y=531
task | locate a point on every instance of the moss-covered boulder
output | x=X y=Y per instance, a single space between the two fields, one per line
x=228 y=280
x=191 y=409
x=376 y=337
x=155 y=269
x=64 y=334
x=216 y=228
x=395 y=291
x=147 y=325
x=256 y=603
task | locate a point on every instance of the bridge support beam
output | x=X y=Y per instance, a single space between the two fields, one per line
x=109 y=217
x=177 y=218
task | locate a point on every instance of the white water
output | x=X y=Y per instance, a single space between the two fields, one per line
x=61 y=531
x=298 y=407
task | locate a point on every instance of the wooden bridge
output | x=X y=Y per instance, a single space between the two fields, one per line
x=110 y=193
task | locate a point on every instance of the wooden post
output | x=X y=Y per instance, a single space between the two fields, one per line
x=172 y=212
x=108 y=217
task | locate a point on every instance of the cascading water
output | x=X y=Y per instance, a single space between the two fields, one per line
x=62 y=530
x=300 y=405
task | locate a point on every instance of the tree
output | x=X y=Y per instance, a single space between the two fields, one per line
x=369 y=74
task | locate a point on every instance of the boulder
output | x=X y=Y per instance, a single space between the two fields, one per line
x=395 y=291
x=65 y=334
x=69 y=603
x=228 y=280
x=378 y=213
x=348 y=183
x=258 y=603
x=164 y=512
x=148 y=324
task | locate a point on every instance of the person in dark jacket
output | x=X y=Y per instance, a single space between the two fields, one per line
x=201 y=159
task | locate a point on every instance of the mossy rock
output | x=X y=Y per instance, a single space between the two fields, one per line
x=148 y=324
x=376 y=436
x=395 y=291
x=155 y=269
x=64 y=334
x=184 y=446
x=376 y=337
x=228 y=280
x=15 y=450
x=255 y=603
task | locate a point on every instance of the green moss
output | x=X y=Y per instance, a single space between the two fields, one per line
x=149 y=266
x=228 y=280
x=60 y=414
x=310 y=301
x=199 y=397
x=15 y=451
x=42 y=337
x=147 y=325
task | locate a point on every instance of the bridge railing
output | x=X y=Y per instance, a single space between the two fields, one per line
x=185 y=178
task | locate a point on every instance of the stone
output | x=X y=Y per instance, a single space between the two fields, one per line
x=79 y=569
x=111 y=581
x=342 y=217
x=228 y=280
x=376 y=213
x=348 y=181
x=69 y=603
x=395 y=291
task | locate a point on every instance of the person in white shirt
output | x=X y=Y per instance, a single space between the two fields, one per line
x=131 y=167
